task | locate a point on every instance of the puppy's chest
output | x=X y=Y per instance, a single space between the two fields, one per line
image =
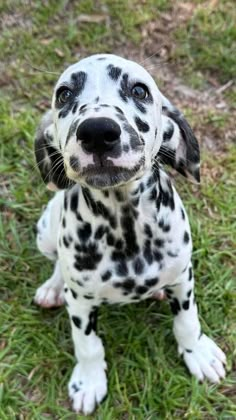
x=117 y=258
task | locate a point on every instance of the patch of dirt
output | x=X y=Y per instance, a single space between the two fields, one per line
x=15 y=19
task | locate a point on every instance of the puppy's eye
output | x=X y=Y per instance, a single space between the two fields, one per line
x=64 y=95
x=139 y=91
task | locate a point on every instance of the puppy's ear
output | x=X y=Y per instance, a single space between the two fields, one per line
x=179 y=146
x=48 y=157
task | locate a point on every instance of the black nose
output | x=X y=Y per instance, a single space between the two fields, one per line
x=98 y=134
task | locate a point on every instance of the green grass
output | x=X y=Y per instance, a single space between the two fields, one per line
x=147 y=380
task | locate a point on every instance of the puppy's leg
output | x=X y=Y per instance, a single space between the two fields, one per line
x=88 y=383
x=51 y=293
x=201 y=355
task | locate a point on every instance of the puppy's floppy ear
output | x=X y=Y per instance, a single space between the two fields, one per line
x=179 y=146
x=48 y=157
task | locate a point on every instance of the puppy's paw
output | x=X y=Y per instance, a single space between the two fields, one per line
x=87 y=386
x=49 y=295
x=160 y=295
x=205 y=360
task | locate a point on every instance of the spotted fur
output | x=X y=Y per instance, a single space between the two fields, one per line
x=118 y=231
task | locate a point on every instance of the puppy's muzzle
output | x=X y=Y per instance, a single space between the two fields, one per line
x=98 y=135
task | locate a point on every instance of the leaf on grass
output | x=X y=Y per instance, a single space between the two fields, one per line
x=92 y=18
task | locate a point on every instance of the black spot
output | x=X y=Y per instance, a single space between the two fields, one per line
x=159 y=243
x=153 y=194
x=186 y=237
x=114 y=72
x=88 y=297
x=188 y=350
x=123 y=96
x=166 y=198
x=135 y=202
x=147 y=252
x=78 y=282
x=83 y=107
x=119 y=244
x=127 y=224
x=117 y=256
x=66 y=242
x=98 y=208
x=88 y=257
x=185 y=305
x=141 y=290
x=77 y=321
x=163 y=226
x=119 y=110
x=190 y=273
x=126 y=148
x=64 y=222
x=106 y=276
x=138 y=266
x=140 y=106
x=142 y=125
x=75 y=107
x=127 y=284
x=189 y=293
x=121 y=268
x=169 y=132
x=119 y=196
x=74 y=294
x=169 y=292
x=157 y=255
x=100 y=231
x=75 y=388
x=183 y=214
x=124 y=90
x=175 y=306
x=74 y=202
x=105 y=193
x=110 y=239
x=133 y=135
x=84 y=232
x=147 y=230
x=92 y=324
x=65 y=202
x=172 y=254
x=151 y=282
x=154 y=178
x=78 y=217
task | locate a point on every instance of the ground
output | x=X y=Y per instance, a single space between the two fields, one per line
x=189 y=47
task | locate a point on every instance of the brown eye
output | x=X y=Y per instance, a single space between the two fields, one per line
x=64 y=95
x=139 y=91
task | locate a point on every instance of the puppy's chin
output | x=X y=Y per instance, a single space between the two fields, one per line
x=106 y=177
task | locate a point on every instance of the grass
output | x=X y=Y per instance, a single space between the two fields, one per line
x=146 y=378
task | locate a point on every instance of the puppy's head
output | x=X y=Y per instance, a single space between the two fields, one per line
x=107 y=126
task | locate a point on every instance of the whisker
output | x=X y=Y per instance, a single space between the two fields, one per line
x=40 y=69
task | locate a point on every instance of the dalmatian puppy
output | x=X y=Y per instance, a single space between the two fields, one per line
x=117 y=231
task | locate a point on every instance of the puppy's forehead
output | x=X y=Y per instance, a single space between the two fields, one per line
x=99 y=65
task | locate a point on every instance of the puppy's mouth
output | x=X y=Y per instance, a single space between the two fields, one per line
x=105 y=177
x=102 y=177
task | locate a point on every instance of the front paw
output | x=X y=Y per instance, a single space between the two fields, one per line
x=205 y=360
x=49 y=295
x=87 y=386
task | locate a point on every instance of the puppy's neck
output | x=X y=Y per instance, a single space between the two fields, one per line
x=146 y=188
